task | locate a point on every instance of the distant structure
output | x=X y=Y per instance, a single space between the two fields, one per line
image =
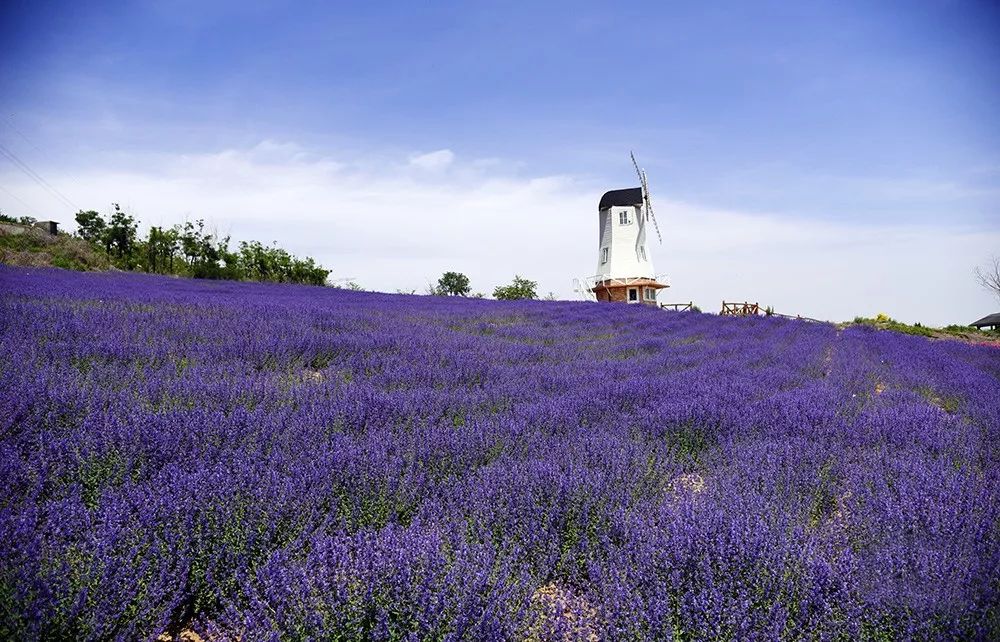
x=989 y=321
x=50 y=227
x=624 y=265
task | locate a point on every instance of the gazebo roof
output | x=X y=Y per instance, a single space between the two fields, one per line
x=991 y=319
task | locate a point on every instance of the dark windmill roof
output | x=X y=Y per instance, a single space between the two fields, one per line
x=992 y=319
x=621 y=197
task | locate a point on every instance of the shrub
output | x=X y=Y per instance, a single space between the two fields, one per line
x=520 y=288
x=453 y=284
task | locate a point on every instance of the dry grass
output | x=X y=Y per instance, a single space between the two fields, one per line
x=690 y=483
x=558 y=615
x=186 y=635
x=32 y=247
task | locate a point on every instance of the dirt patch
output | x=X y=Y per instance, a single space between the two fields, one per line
x=558 y=615
x=689 y=483
x=186 y=635
x=313 y=376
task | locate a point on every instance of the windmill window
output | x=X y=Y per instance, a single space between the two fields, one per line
x=633 y=294
x=650 y=294
x=604 y=255
x=623 y=218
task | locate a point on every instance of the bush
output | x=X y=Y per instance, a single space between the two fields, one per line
x=453 y=284
x=520 y=288
x=883 y=321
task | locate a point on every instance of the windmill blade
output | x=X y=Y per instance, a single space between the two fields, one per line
x=645 y=196
x=642 y=178
x=649 y=207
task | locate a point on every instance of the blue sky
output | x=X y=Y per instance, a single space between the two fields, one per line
x=876 y=117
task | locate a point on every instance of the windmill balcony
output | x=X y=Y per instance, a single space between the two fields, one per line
x=659 y=281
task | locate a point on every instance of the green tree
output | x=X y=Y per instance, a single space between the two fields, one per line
x=189 y=236
x=91 y=227
x=453 y=284
x=259 y=262
x=120 y=238
x=520 y=288
x=190 y=250
x=161 y=248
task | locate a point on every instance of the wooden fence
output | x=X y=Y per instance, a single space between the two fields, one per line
x=677 y=307
x=797 y=317
x=739 y=309
x=749 y=309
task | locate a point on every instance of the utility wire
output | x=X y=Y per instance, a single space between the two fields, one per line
x=14 y=196
x=35 y=176
x=10 y=123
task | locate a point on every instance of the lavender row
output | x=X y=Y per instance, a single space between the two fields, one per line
x=256 y=461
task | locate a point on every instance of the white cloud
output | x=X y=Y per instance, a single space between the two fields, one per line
x=433 y=161
x=389 y=227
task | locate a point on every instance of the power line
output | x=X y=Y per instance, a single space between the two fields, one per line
x=35 y=176
x=10 y=123
x=14 y=196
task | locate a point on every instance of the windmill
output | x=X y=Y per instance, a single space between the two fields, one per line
x=624 y=264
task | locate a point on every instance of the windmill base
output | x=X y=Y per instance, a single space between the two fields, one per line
x=638 y=290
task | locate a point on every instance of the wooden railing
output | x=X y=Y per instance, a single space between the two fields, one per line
x=677 y=307
x=797 y=317
x=744 y=308
x=739 y=309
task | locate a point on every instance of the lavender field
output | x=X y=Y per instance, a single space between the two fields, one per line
x=266 y=462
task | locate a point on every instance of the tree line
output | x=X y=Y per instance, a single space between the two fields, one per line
x=457 y=284
x=189 y=250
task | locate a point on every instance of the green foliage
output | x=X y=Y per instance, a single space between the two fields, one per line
x=162 y=246
x=969 y=332
x=189 y=250
x=67 y=264
x=20 y=242
x=688 y=442
x=885 y=322
x=453 y=284
x=263 y=263
x=120 y=239
x=520 y=288
x=695 y=308
x=90 y=227
x=24 y=220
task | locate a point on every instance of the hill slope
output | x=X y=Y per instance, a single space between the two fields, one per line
x=248 y=459
x=29 y=246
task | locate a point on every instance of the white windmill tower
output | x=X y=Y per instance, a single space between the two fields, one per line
x=624 y=265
